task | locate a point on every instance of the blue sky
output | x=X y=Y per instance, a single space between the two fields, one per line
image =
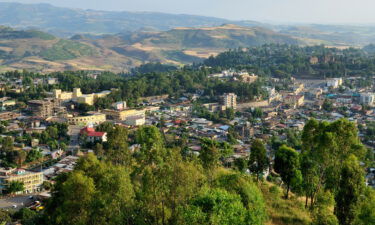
x=279 y=11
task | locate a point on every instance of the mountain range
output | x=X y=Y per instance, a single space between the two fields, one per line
x=40 y=51
x=65 y=22
x=42 y=37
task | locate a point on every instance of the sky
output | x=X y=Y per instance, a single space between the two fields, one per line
x=277 y=11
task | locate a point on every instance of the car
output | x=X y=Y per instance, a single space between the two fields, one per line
x=31 y=197
x=14 y=206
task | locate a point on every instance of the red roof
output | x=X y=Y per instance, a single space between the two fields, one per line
x=89 y=131
x=96 y=134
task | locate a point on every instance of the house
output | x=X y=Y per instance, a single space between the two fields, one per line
x=334 y=82
x=294 y=100
x=94 y=136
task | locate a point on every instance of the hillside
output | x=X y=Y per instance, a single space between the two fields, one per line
x=66 y=22
x=39 y=51
x=338 y=35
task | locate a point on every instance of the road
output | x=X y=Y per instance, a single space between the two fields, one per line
x=73 y=132
x=19 y=201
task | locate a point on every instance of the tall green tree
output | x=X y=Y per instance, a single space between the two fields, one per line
x=258 y=161
x=350 y=188
x=287 y=165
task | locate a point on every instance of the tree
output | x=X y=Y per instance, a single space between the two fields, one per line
x=94 y=193
x=4 y=217
x=325 y=148
x=209 y=154
x=287 y=165
x=20 y=158
x=365 y=210
x=26 y=215
x=15 y=186
x=322 y=213
x=215 y=206
x=117 y=146
x=350 y=188
x=258 y=161
x=240 y=164
x=33 y=155
x=7 y=144
x=251 y=196
x=327 y=105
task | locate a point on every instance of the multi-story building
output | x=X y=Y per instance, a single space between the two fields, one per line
x=123 y=114
x=230 y=100
x=367 y=98
x=77 y=96
x=91 y=119
x=44 y=108
x=32 y=181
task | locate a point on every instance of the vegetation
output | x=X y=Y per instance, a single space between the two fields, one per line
x=291 y=60
x=15 y=186
x=66 y=49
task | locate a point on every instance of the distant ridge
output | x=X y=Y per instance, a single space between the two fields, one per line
x=67 y=22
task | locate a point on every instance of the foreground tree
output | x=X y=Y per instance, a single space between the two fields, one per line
x=258 y=161
x=287 y=165
x=350 y=188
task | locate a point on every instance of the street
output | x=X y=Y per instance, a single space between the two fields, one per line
x=19 y=201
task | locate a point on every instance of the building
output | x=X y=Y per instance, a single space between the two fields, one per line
x=367 y=98
x=298 y=88
x=230 y=100
x=77 y=96
x=62 y=95
x=214 y=107
x=247 y=78
x=9 y=115
x=121 y=115
x=94 y=136
x=44 y=108
x=32 y=180
x=85 y=99
x=294 y=100
x=5 y=102
x=119 y=105
x=52 y=81
x=135 y=120
x=91 y=119
x=334 y=82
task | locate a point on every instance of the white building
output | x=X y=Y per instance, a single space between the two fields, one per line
x=334 y=82
x=367 y=98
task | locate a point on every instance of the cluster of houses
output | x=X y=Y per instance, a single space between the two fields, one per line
x=280 y=111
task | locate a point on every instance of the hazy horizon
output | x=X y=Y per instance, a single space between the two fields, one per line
x=275 y=11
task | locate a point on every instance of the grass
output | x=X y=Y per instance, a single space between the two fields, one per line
x=283 y=211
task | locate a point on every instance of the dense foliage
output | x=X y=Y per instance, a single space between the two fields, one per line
x=292 y=60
